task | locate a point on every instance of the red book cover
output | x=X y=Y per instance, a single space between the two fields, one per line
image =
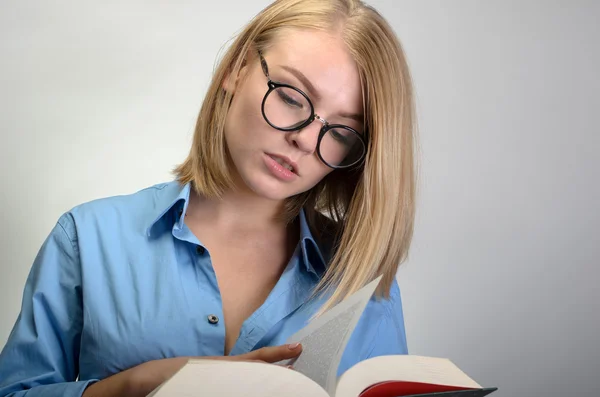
x=413 y=389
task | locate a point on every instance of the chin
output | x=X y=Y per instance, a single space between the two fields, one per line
x=269 y=189
x=272 y=195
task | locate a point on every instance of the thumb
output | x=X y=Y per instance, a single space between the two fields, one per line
x=272 y=354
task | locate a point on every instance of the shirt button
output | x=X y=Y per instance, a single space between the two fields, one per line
x=213 y=319
x=200 y=250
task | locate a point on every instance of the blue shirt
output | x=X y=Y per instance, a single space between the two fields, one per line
x=122 y=280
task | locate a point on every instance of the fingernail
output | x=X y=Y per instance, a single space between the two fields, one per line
x=293 y=346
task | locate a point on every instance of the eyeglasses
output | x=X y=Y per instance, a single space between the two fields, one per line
x=287 y=108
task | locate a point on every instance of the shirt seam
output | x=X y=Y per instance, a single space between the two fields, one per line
x=396 y=301
x=73 y=244
x=370 y=353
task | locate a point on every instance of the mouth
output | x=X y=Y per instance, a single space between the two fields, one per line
x=285 y=162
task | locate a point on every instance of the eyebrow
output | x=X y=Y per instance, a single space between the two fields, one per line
x=353 y=116
x=300 y=76
x=313 y=92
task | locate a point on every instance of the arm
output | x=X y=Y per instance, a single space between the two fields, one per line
x=141 y=380
x=138 y=381
x=41 y=355
x=390 y=337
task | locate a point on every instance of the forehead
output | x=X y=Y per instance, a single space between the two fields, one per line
x=325 y=60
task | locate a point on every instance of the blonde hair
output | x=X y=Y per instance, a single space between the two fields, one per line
x=372 y=208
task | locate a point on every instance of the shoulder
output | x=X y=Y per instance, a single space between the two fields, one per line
x=124 y=211
x=385 y=310
x=390 y=334
x=139 y=200
x=380 y=331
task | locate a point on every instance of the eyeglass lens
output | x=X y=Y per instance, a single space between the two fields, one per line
x=287 y=108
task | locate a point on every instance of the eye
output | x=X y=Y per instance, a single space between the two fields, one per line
x=287 y=99
x=344 y=137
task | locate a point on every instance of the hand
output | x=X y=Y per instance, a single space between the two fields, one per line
x=269 y=354
x=142 y=379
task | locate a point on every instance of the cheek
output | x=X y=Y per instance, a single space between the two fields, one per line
x=249 y=111
x=244 y=127
x=317 y=172
x=244 y=116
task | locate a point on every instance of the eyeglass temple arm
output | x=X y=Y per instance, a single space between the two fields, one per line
x=263 y=64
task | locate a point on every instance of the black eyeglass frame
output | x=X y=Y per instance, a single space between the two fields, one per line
x=273 y=85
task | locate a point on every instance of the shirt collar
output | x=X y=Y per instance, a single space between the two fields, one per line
x=173 y=196
x=311 y=253
x=169 y=196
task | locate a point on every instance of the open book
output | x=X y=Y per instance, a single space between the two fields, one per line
x=314 y=374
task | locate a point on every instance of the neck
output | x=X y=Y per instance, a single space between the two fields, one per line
x=237 y=210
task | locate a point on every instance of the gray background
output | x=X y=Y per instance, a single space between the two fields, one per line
x=100 y=99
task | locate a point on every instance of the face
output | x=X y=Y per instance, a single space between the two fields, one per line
x=331 y=81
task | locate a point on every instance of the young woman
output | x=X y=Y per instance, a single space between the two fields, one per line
x=309 y=113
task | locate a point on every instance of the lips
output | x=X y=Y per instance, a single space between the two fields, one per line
x=285 y=162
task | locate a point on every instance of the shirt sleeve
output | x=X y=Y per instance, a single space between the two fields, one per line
x=390 y=337
x=41 y=355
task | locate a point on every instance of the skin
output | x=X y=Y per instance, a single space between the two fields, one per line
x=248 y=243
x=326 y=63
x=139 y=381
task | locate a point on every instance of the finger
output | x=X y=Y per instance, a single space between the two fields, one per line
x=272 y=354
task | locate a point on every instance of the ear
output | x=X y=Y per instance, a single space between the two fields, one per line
x=230 y=82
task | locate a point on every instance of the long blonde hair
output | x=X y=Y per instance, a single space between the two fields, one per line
x=372 y=209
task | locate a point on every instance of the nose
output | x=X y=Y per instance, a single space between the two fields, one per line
x=306 y=139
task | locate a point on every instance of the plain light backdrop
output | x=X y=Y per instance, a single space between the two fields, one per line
x=100 y=98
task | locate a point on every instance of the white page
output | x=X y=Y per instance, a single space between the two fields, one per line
x=325 y=338
x=433 y=370
x=209 y=378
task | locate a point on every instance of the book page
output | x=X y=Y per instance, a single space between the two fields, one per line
x=325 y=338
x=407 y=368
x=209 y=378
